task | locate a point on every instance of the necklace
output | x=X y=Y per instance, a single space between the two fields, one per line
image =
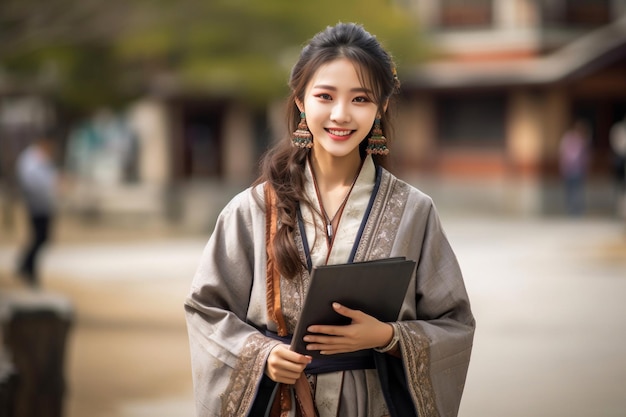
x=329 y=221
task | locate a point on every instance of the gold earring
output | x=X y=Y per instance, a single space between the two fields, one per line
x=377 y=143
x=302 y=137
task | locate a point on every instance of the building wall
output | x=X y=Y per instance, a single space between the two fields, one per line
x=451 y=118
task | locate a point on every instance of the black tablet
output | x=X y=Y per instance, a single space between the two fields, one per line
x=377 y=288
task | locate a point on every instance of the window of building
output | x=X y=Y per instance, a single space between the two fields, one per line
x=460 y=14
x=472 y=120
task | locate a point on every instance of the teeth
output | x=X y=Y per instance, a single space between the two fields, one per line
x=339 y=132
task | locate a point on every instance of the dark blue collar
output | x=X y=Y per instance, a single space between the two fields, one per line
x=305 y=242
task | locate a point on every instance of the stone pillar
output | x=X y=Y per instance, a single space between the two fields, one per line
x=524 y=131
x=35 y=325
x=524 y=150
x=149 y=118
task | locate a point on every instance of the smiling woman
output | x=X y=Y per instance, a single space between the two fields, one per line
x=323 y=198
x=340 y=113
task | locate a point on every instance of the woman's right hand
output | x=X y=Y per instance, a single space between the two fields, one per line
x=284 y=365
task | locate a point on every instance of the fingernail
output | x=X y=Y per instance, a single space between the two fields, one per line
x=336 y=305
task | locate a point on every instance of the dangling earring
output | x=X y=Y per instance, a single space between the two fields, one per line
x=377 y=143
x=302 y=137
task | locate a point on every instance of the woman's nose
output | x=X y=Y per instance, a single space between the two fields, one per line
x=340 y=113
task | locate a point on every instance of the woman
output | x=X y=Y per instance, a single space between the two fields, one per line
x=324 y=198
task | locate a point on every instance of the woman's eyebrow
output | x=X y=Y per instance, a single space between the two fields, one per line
x=332 y=88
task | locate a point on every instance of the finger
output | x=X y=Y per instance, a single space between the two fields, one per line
x=324 y=339
x=284 y=371
x=298 y=358
x=320 y=330
x=285 y=379
x=345 y=311
x=355 y=315
x=322 y=347
x=334 y=349
x=287 y=375
x=286 y=354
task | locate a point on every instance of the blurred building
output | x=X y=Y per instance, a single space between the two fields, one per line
x=479 y=122
x=483 y=117
x=507 y=79
x=196 y=152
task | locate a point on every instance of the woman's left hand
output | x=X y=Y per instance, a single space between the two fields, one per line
x=364 y=332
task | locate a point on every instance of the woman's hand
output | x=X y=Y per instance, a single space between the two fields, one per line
x=284 y=365
x=364 y=332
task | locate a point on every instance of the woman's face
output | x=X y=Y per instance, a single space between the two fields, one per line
x=340 y=111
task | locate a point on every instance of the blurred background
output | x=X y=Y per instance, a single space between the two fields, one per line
x=160 y=111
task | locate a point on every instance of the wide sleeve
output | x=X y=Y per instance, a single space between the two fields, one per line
x=437 y=327
x=228 y=350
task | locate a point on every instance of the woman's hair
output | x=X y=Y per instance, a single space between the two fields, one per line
x=283 y=166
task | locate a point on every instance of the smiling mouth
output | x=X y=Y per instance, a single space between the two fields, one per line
x=339 y=132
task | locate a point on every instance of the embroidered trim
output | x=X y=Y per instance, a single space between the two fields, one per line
x=415 y=348
x=241 y=391
x=367 y=237
x=387 y=229
x=368 y=211
x=378 y=237
x=292 y=297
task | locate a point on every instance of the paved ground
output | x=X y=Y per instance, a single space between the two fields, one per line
x=547 y=294
x=548 y=297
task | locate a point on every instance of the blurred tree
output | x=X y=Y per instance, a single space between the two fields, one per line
x=65 y=48
x=97 y=52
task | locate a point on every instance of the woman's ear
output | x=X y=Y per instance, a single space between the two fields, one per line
x=300 y=105
x=385 y=105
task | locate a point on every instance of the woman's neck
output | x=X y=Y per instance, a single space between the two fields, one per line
x=334 y=179
x=332 y=173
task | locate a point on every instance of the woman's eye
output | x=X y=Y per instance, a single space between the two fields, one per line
x=361 y=99
x=324 y=96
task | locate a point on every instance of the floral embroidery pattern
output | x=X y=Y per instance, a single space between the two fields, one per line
x=241 y=390
x=368 y=232
x=415 y=348
x=378 y=237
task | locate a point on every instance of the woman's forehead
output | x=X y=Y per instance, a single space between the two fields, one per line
x=340 y=72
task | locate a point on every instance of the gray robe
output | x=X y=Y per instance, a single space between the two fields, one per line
x=227 y=315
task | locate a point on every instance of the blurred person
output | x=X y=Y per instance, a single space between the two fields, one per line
x=573 y=164
x=324 y=197
x=37 y=179
x=618 y=145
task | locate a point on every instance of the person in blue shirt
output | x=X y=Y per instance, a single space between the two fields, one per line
x=37 y=179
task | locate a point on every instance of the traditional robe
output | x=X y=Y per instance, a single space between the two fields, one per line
x=228 y=321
